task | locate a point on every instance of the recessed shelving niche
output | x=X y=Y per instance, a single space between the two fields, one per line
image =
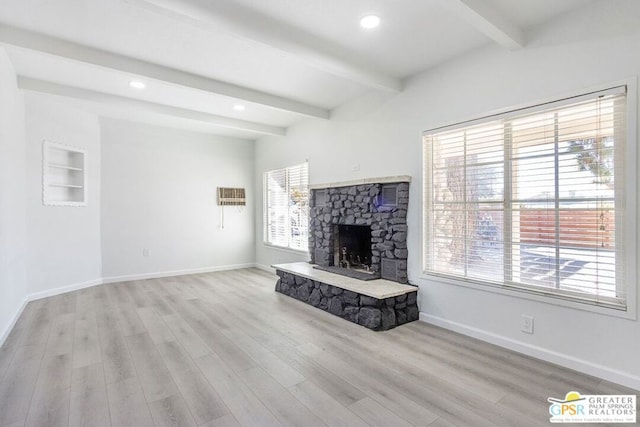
x=64 y=175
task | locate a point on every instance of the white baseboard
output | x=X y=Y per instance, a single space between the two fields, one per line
x=265 y=268
x=565 y=360
x=143 y=276
x=63 y=289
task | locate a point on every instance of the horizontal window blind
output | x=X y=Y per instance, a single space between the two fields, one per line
x=532 y=199
x=286 y=207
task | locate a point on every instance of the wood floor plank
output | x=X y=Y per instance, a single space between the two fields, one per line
x=147 y=285
x=136 y=294
x=117 y=294
x=37 y=323
x=106 y=318
x=30 y=352
x=377 y=415
x=273 y=365
x=129 y=320
x=6 y=356
x=180 y=288
x=288 y=410
x=210 y=310
x=226 y=421
x=159 y=304
x=86 y=343
x=84 y=309
x=324 y=406
x=118 y=365
x=176 y=357
x=100 y=296
x=127 y=404
x=89 y=404
x=233 y=356
x=62 y=304
x=16 y=390
x=189 y=339
x=153 y=374
x=50 y=401
x=325 y=379
x=15 y=334
x=171 y=411
x=61 y=335
x=241 y=401
x=441 y=422
x=203 y=401
x=360 y=375
x=261 y=331
x=220 y=376
x=415 y=363
x=155 y=326
x=532 y=409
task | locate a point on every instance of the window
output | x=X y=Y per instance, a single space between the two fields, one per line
x=286 y=207
x=532 y=199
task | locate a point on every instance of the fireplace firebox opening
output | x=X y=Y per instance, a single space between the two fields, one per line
x=352 y=247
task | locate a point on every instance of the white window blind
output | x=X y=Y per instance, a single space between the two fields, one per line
x=286 y=207
x=532 y=199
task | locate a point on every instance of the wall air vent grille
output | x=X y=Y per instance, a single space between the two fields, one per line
x=389 y=195
x=320 y=197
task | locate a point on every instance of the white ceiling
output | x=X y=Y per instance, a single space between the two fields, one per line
x=283 y=59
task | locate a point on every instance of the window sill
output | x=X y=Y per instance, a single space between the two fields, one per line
x=531 y=295
x=285 y=249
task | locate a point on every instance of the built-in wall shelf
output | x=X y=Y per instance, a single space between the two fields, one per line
x=55 y=166
x=64 y=175
x=66 y=185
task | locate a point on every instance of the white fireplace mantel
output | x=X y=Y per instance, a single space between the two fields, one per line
x=379 y=180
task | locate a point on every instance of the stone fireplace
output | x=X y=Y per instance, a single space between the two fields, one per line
x=360 y=229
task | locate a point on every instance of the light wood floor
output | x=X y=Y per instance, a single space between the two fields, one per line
x=223 y=349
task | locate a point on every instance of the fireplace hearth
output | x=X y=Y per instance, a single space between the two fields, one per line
x=361 y=230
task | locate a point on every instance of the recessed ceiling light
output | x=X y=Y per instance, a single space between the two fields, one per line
x=238 y=107
x=370 y=21
x=137 y=84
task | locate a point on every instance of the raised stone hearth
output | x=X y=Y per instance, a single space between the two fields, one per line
x=378 y=304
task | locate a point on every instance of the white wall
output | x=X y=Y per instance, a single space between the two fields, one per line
x=64 y=242
x=382 y=135
x=13 y=230
x=159 y=193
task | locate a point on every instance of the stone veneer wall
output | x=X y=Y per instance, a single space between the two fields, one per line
x=362 y=205
x=373 y=313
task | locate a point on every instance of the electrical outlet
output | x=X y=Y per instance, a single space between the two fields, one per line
x=526 y=324
x=145 y=252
